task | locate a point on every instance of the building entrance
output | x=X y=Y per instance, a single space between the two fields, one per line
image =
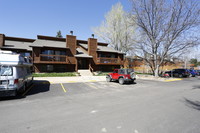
x=83 y=63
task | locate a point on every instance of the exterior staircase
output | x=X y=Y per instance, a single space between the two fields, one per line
x=86 y=72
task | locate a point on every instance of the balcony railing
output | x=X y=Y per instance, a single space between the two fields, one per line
x=53 y=58
x=103 y=60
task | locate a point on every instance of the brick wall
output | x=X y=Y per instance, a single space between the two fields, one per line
x=92 y=48
x=71 y=43
x=2 y=40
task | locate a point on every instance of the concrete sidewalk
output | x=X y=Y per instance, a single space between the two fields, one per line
x=55 y=80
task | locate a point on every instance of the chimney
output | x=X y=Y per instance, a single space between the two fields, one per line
x=71 y=43
x=2 y=40
x=92 y=47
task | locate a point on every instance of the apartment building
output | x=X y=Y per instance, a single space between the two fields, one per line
x=52 y=54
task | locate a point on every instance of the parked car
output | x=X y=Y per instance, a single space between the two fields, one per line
x=198 y=72
x=121 y=75
x=177 y=73
x=193 y=73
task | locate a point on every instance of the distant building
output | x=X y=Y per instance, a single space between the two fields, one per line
x=140 y=65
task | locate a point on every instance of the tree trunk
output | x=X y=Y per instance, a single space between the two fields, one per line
x=157 y=71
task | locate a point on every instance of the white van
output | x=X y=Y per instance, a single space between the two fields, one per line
x=15 y=73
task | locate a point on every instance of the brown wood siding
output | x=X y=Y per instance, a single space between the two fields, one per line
x=36 y=54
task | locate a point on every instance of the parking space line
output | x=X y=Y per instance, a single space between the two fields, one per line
x=63 y=87
x=91 y=85
x=92 y=81
x=172 y=80
x=27 y=90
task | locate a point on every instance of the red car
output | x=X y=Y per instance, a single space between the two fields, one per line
x=121 y=75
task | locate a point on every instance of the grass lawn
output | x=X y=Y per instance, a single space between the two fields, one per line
x=144 y=73
x=105 y=73
x=67 y=74
x=102 y=73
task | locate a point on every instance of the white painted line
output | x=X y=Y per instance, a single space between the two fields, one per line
x=136 y=131
x=119 y=127
x=103 y=130
x=93 y=111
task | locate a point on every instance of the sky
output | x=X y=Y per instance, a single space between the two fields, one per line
x=29 y=18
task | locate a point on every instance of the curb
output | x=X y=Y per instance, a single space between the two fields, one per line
x=169 y=80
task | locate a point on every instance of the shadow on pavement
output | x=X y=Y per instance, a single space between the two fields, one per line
x=38 y=86
x=126 y=83
x=196 y=87
x=192 y=104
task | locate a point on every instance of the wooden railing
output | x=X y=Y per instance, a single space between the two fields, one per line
x=91 y=69
x=103 y=60
x=53 y=58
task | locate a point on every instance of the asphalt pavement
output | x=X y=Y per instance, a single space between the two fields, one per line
x=101 y=107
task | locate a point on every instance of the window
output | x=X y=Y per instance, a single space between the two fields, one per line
x=27 y=54
x=49 y=68
x=115 y=71
x=53 y=52
x=107 y=55
x=6 y=71
x=48 y=52
x=121 y=71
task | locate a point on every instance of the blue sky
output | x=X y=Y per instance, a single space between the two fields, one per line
x=29 y=18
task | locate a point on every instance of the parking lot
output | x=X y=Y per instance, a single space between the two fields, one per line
x=96 y=107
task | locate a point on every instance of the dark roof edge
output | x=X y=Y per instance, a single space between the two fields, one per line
x=51 y=38
x=102 y=44
x=19 y=39
x=86 y=42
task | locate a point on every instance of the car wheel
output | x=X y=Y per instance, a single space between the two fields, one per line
x=121 y=81
x=180 y=75
x=132 y=82
x=108 y=79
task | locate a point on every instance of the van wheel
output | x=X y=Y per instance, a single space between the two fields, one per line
x=121 y=81
x=22 y=90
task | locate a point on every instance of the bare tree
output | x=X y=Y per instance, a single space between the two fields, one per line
x=166 y=29
x=117 y=29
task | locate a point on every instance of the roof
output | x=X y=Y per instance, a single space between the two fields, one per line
x=82 y=54
x=49 y=43
x=9 y=44
x=107 y=49
x=102 y=48
x=85 y=46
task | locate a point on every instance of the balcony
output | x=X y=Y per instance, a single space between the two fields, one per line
x=108 y=61
x=56 y=59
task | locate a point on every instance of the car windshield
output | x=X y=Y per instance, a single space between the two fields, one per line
x=6 y=71
x=125 y=71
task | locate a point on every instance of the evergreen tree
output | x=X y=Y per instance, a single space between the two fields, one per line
x=59 y=34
